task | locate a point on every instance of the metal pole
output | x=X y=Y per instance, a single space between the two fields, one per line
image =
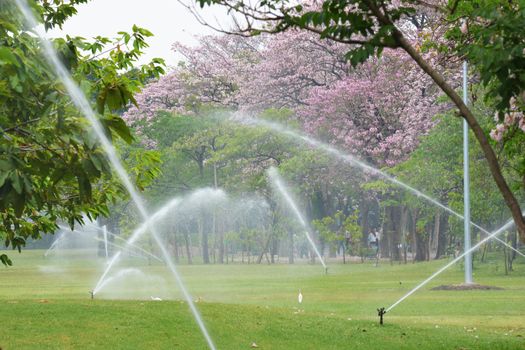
x=105 y=232
x=466 y=186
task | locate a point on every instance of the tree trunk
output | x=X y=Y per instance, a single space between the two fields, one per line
x=430 y=229
x=467 y=114
x=175 y=247
x=403 y=230
x=203 y=233
x=265 y=248
x=396 y=237
x=290 y=248
x=464 y=111
x=386 y=234
x=394 y=232
x=364 y=221
x=187 y=243
x=512 y=253
x=505 y=260
x=274 y=249
x=418 y=246
x=442 y=237
x=434 y=239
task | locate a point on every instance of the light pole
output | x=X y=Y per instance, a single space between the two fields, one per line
x=466 y=186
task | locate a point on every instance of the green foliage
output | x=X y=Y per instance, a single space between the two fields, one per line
x=51 y=166
x=436 y=168
x=339 y=229
x=494 y=42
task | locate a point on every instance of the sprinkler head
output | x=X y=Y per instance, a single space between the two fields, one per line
x=326 y=270
x=381 y=312
x=92 y=294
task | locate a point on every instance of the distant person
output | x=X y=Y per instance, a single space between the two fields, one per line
x=371 y=239
x=377 y=234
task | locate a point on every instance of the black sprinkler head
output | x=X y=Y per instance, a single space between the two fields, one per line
x=92 y=294
x=381 y=312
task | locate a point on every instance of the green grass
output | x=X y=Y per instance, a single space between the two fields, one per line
x=44 y=304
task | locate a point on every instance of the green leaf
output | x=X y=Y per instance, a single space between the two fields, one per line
x=118 y=125
x=5 y=260
x=114 y=98
x=84 y=186
x=7 y=56
x=16 y=182
x=18 y=203
x=3 y=176
x=5 y=165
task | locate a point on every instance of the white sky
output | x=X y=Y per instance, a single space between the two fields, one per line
x=168 y=20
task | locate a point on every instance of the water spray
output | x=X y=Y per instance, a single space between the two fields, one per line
x=354 y=161
x=127 y=246
x=438 y=272
x=82 y=103
x=153 y=219
x=280 y=185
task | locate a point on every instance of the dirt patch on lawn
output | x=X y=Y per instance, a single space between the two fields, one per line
x=472 y=286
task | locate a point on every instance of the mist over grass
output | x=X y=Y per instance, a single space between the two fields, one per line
x=45 y=304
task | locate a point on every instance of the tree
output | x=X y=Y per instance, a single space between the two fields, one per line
x=51 y=167
x=288 y=67
x=209 y=76
x=378 y=112
x=436 y=168
x=370 y=26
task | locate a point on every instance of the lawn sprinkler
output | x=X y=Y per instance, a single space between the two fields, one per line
x=92 y=293
x=326 y=270
x=381 y=312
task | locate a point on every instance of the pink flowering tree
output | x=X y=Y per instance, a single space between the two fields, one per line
x=290 y=65
x=378 y=112
x=209 y=75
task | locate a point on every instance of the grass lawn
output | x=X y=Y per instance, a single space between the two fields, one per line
x=45 y=304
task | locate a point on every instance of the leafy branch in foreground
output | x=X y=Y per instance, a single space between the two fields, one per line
x=52 y=168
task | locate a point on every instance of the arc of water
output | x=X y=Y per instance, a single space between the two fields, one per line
x=80 y=100
x=136 y=235
x=142 y=250
x=112 y=244
x=508 y=245
x=119 y=246
x=279 y=183
x=120 y=274
x=353 y=160
x=158 y=215
x=438 y=272
x=125 y=247
x=150 y=254
x=53 y=245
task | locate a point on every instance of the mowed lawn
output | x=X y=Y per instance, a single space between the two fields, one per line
x=45 y=304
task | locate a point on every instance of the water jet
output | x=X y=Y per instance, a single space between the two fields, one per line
x=84 y=105
x=280 y=185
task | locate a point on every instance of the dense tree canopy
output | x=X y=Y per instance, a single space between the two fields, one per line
x=52 y=168
x=486 y=32
x=346 y=86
